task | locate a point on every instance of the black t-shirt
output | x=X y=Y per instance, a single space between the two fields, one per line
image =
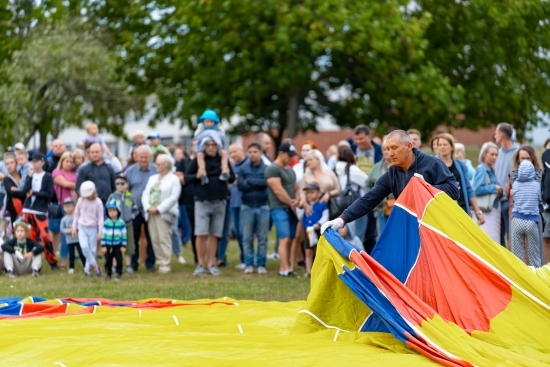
x=456 y=173
x=187 y=196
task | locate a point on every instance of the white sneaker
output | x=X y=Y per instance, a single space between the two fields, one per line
x=273 y=256
x=262 y=270
x=241 y=266
x=164 y=269
x=249 y=270
x=181 y=260
x=71 y=271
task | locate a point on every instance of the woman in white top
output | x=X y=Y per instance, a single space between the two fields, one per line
x=160 y=204
x=358 y=181
x=346 y=159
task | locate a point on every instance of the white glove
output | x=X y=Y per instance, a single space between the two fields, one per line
x=419 y=176
x=19 y=256
x=336 y=224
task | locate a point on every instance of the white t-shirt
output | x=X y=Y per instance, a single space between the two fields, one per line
x=37 y=183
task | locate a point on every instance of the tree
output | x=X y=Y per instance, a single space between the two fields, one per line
x=62 y=75
x=281 y=64
x=498 y=52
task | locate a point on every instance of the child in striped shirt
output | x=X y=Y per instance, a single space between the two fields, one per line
x=113 y=240
x=525 y=216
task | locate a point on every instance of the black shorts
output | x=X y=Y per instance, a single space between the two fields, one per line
x=305 y=242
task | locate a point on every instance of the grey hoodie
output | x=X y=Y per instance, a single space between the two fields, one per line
x=128 y=207
x=503 y=166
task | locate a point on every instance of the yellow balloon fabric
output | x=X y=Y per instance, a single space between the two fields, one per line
x=248 y=333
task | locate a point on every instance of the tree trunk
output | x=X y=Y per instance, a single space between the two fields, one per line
x=43 y=142
x=292 y=114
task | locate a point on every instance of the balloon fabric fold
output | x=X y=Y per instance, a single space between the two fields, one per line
x=436 y=282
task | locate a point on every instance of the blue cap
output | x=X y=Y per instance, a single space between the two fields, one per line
x=112 y=205
x=211 y=115
x=154 y=135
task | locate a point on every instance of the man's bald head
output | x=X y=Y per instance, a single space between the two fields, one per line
x=95 y=153
x=236 y=152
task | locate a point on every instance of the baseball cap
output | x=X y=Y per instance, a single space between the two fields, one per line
x=19 y=146
x=68 y=200
x=87 y=189
x=154 y=135
x=122 y=176
x=288 y=148
x=38 y=157
x=312 y=186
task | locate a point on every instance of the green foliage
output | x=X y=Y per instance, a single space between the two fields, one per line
x=255 y=58
x=498 y=52
x=62 y=75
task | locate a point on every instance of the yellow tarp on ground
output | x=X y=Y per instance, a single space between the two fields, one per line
x=193 y=336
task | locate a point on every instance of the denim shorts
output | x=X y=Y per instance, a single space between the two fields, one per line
x=285 y=222
x=54 y=225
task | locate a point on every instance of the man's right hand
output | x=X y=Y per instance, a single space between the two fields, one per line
x=336 y=224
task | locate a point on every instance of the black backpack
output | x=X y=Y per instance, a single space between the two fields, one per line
x=348 y=195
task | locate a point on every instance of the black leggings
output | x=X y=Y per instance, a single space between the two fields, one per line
x=71 y=247
x=113 y=251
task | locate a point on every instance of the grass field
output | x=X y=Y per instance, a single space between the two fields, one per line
x=180 y=284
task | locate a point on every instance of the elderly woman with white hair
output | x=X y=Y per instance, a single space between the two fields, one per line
x=488 y=190
x=160 y=205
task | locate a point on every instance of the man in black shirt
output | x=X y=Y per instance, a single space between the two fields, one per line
x=210 y=207
x=187 y=204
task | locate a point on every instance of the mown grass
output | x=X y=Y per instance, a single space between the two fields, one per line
x=180 y=284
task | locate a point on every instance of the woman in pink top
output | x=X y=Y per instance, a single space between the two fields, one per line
x=64 y=180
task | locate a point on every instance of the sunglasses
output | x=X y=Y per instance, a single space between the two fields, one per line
x=120 y=183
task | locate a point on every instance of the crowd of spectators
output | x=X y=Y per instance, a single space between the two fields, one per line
x=86 y=203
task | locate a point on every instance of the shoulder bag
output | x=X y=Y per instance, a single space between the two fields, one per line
x=486 y=202
x=348 y=195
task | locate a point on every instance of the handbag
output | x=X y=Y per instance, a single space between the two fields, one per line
x=55 y=211
x=486 y=202
x=348 y=195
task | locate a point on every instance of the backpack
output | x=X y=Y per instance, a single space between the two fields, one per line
x=347 y=196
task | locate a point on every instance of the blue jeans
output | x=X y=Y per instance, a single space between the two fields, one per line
x=361 y=227
x=184 y=225
x=255 y=222
x=176 y=241
x=504 y=222
x=238 y=225
x=382 y=220
x=150 y=260
x=224 y=239
x=63 y=248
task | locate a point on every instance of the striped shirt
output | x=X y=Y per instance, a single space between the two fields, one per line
x=114 y=233
x=526 y=191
